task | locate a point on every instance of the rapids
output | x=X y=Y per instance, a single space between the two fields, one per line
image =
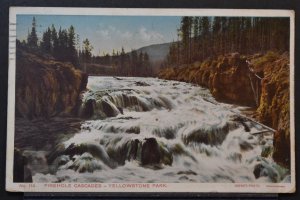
x=153 y=130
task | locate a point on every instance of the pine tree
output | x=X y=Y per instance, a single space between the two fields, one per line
x=71 y=46
x=205 y=31
x=186 y=36
x=87 y=50
x=134 y=61
x=147 y=66
x=216 y=34
x=54 y=42
x=46 y=41
x=32 y=38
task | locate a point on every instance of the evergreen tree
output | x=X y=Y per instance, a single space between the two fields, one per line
x=71 y=46
x=147 y=66
x=54 y=42
x=46 y=41
x=32 y=38
x=87 y=50
x=204 y=34
x=186 y=34
x=221 y=35
x=216 y=32
x=134 y=62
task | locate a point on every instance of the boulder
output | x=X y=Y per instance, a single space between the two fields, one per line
x=150 y=153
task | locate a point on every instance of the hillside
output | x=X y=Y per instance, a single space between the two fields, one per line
x=156 y=52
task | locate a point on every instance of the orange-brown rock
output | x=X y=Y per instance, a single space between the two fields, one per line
x=46 y=87
x=274 y=108
x=227 y=78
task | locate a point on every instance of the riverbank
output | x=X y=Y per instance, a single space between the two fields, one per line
x=47 y=99
x=230 y=80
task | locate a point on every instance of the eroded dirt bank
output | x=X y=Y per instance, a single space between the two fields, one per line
x=260 y=81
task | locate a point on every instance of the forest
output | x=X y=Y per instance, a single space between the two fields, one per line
x=203 y=37
x=64 y=46
x=61 y=44
x=199 y=38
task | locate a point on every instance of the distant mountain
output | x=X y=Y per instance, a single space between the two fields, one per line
x=157 y=52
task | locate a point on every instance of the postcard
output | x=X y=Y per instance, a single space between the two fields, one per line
x=150 y=100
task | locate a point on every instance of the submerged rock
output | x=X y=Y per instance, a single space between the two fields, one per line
x=245 y=146
x=265 y=169
x=150 y=152
x=188 y=172
x=258 y=170
x=141 y=83
x=235 y=157
x=146 y=152
x=168 y=132
x=214 y=136
x=97 y=151
x=134 y=129
x=85 y=163
x=58 y=162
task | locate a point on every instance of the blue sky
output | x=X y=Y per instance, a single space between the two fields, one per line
x=108 y=32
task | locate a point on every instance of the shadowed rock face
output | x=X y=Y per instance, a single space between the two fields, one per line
x=228 y=80
x=45 y=87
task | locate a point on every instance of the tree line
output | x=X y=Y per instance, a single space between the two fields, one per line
x=133 y=63
x=61 y=44
x=203 y=37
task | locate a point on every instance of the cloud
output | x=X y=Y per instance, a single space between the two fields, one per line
x=127 y=35
x=103 y=33
x=149 y=35
x=109 y=37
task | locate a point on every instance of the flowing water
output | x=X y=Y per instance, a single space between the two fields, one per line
x=153 y=130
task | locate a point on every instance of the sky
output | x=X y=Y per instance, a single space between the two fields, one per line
x=107 y=32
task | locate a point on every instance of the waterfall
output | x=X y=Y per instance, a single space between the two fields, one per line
x=160 y=131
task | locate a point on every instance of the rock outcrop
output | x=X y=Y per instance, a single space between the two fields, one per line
x=274 y=108
x=233 y=79
x=227 y=77
x=46 y=87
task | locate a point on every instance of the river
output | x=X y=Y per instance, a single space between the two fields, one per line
x=153 y=130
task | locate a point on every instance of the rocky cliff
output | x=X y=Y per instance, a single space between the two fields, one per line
x=260 y=81
x=274 y=107
x=46 y=87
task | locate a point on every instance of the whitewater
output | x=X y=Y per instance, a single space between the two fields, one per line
x=146 y=130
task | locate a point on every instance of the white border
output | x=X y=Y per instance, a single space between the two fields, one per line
x=170 y=187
